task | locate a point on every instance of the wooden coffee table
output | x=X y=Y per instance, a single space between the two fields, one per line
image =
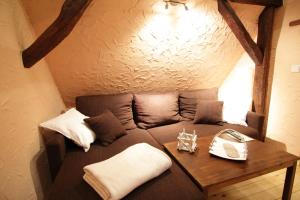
x=210 y=172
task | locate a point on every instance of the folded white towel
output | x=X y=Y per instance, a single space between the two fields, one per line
x=117 y=176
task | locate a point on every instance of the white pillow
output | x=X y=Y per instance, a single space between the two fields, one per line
x=71 y=125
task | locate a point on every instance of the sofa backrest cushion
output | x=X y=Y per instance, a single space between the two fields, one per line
x=188 y=100
x=155 y=109
x=120 y=105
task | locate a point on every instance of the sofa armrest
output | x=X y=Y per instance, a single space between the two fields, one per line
x=56 y=150
x=256 y=121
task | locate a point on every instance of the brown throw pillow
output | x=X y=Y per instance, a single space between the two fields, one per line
x=120 y=105
x=210 y=112
x=106 y=126
x=188 y=100
x=155 y=109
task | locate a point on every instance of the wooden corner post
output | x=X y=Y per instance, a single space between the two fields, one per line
x=259 y=52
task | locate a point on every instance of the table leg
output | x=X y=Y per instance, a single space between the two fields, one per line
x=289 y=181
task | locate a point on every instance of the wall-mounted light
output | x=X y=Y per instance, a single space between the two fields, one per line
x=175 y=3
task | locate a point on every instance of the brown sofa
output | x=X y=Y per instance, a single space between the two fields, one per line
x=67 y=160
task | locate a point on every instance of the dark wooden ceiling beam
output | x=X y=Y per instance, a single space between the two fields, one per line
x=70 y=13
x=275 y=3
x=240 y=31
x=295 y=22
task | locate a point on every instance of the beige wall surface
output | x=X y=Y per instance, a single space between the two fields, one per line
x=27 y=97
x=131 y=46
x=284 y=115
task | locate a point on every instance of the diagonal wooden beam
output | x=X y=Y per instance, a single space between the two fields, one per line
x=240 y=31
x=261 y=78
x=295 y=22
x=70 y=13
x=260 y=2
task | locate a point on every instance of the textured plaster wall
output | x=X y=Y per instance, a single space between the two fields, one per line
x=284 y=112
x=137 y=45
x=27 y=97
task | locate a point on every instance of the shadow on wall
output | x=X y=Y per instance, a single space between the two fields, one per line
x=40 y=172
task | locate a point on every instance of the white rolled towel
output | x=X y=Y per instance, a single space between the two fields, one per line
x=117 y=176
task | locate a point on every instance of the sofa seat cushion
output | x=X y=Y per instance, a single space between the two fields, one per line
x=120 y=105
x=69 y=184
x=164 y=134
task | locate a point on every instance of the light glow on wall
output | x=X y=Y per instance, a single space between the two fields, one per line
x=175 y=28
x=168 y=31
x=236 y=91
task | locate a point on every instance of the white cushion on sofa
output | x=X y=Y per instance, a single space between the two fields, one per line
x=71 y=125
